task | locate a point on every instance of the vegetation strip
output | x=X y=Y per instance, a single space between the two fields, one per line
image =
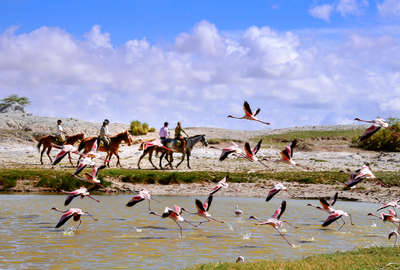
x=367 y=258
x=63 y=179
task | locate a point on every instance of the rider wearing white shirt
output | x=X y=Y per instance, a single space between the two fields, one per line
x=60 y=132
x=164 y=132
x=104 y=133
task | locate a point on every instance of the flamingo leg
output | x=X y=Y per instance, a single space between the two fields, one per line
x=70 y=159
x=294 y=227
x=180 y=228
x=216 y=220
x=342 y=224
x=201 y=222
x=93 y=198
x=290 y=244
x=188 y=222
x=80 y=221
x=263 y=164
x=351 y=220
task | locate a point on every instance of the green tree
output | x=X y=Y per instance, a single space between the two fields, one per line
x=23 y=101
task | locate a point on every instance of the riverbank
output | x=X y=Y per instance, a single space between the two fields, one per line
x=368 y=258
x=301 y=184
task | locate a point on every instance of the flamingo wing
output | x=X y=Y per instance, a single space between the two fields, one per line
x=225 y=154
x=383 y=207
x=69 y=199
x=247 y=109
x=199 y=206
x=257 y=112
x=98 y=169
x=207 y=203
x=332 y=218
x=353 y=182
x=135 y=200
x=247 y=149
x=271 y=194
x=369 y=132
x=215 y=189
x=324 y=203
x=64 y=219
x=178 y=209
x=278 y=212
x=292 y=146
x=80 y=168
x=333 y=201
x=257 y=147
x=285 y=153
x=59 y=157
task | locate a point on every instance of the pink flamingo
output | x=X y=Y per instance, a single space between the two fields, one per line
x=326 y=206
x=202 y=210
x=274 y=221
x=287 y=155
x=72 y=212
x=248 y=114
x=377 y=124
x=390 y=216
x=175 y=215
x=76 y=193
x=65 y=150
x=92 y=178
x=251 y=153
x=233 y=149
x=275 y=190
x=220 y=184
x=359 y=175
x=335 y=215
x=393 y=204
x=237 y=211
x=395 y=234
x=144 y=194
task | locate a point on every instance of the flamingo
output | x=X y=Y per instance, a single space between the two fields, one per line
x=287 y=155
x=275 y=190
x=65 y=149
x=390 y=216
x=233 y=149
x=220 y=184
x=393 y=204
x=144 y=194
x=72 y=212
x=274 y=221
x=237 y=211
x=251 y=153
x=326 y=206
x=359 y=175
x=76 y=193
x=377 y=124
x=175 y=215
x=395 y=234
x=335 y=215
x=239 y=259
x=202 y=210
x=248 y=114
x=92 y=178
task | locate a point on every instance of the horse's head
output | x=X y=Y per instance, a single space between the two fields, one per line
x=80 y=136
x=127 y=138
x=204 y=140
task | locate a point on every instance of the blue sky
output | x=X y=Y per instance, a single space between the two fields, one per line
x=302 y=62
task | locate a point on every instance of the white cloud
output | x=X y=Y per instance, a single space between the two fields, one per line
x=389 y=8
x=297 y=78
x=322 y=12
x=351 y=7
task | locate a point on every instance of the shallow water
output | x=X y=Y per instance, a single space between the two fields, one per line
x=127 y=238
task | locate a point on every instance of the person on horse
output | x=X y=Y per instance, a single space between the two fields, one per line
x=178 y=134
x=104 y=135
x=60 y=133
x=164 y=133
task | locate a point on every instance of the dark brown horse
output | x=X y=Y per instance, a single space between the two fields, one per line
x=111 y=150
x=149 y=151
x=48 y=141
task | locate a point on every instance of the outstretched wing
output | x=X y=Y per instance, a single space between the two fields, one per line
x=292 y=146
x=257 y=111
x=257 y=147
x=64 y=219
x=324 y=203
x=247 y=149
x=278 y=212
x=271 y=194
x=134 y=200
x=225 y=154
x=59 y=157
x=80 y=168
x=246 y=108
x=333 y=201
x=199 y=205
x=207 y=204
x=332 y=218
x=69 y=199
x=98 y=169
x=369 y=132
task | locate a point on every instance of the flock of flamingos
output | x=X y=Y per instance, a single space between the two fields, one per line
x=87 y=160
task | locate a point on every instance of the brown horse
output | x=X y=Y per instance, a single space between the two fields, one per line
x=149 y=151
x=48 y=141
x=111 y=150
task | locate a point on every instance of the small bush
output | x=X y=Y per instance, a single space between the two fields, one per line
x=138 y=128
x=383 y=140
x=152 y=129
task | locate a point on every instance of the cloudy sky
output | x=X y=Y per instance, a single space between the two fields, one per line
x=302 y=62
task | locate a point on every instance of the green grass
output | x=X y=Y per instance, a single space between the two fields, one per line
x=362 y=259
x=310 y=135
x=62 y=179
x=222 y=140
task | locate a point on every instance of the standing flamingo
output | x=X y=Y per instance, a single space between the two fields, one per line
x=274 y=221
x=76 y=193
x=220 y=184
x=248 y=114
x=359 y=175
x=144 y=194
x=275 y=190
x=377 y=124
x=335 y=215
x=175 y=215
x=326 y=206
x=72 y=212
x=287 y=155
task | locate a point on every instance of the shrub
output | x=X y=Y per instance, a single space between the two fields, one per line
x=383 y=140
x=138 y=128
x=152 y=129
x=15 y=98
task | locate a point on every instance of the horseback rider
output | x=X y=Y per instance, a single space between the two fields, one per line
x=164 y=133
x=60 y=133
x=104 y=135
x=178 y=134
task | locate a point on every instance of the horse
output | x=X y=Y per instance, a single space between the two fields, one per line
x=190 y=143
x=48 y=141
x=112 y=148
x=149 y=151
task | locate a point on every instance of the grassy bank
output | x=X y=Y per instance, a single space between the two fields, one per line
x=369 y=258
x=62 y=179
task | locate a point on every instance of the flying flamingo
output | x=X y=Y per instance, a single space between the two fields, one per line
x=391 y=217
x=237 y=211
x=220 y=184
x=326 y=206
x=287 y=155
x=65 y=150
x=72 y=212
x=377 y=124
x=275 y=222
x=275 y=190
x=92 y=178
x=175 y=215
x=202 y=210
x=359 y=175
x=76 y=193
x=393 y=204
x=144 y=194
x=251 y=153
x=335 y=215
x=248 y=114
x=233 y=149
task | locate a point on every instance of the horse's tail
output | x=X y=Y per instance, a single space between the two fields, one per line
x=81 y=145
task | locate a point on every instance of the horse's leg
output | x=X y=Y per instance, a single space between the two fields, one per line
x=161 y=157
x=183 y=158
x=140 y=159
x=151 y=159
x=188 y=159
x=118 y=163
x=41 y=155
x=107 y=159
x=171 y=159
x=70 y=159
x=48 y=154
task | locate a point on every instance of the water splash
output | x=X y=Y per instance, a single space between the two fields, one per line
x=137 y=229
x=373 y=225
x=246 y=236
x=69 y=232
